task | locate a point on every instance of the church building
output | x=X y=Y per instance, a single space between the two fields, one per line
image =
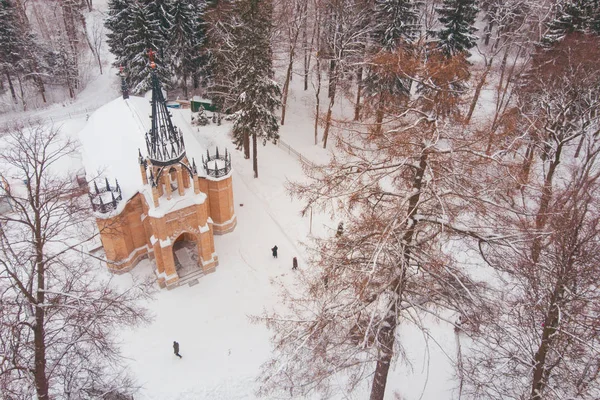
x=150 y=198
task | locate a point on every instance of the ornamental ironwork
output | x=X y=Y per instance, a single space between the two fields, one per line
x=217 y=165
x=164 y=141
x=106 y=197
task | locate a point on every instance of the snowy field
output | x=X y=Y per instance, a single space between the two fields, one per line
x=222 y=350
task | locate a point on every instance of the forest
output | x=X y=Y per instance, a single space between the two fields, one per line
x=474 y=122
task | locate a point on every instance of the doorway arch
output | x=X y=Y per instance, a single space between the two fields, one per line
x=186 y=250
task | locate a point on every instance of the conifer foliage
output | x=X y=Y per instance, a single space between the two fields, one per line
x=457 y=18
x=170 y=27
x=14 y=43
x=184 y=45
x=144 y=34
x=117 y=23
x=397 y=20
x=574 y=16
x=258 y=94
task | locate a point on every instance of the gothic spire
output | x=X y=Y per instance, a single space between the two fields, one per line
x=164 y=141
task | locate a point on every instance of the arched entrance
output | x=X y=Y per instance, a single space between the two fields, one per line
x=185 y=254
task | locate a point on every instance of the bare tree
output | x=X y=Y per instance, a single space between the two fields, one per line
x=538 y=339
x=401 y=192
x=58 y=313
x=343 y=37
x=539 y=336
x=292 y=16
x=94 y=35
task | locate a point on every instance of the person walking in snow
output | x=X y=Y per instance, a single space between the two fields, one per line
x=176 y=349
x=274 y=250
x=295 y=263
x=340 y=229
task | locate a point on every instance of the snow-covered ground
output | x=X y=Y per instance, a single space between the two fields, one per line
x=222 y=350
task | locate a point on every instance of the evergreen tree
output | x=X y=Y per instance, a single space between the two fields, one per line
x=143 y=34
x=185 y=42
x=397 y=20
x=159 y=12
x=257 y=93
x=458 y=18
x=17 y=46
x=595 y=18
x=572 y=16
x=117 y=22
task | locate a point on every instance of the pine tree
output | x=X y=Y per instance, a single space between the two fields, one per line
x=119 y=13
x=397 y=20
x=11 y=37
x=572 y=16
x=397 y=25
x=143 y=34
x=185 y=42
x=159 y=12
x=18 y=48
x=257 y=93
x=458 y=18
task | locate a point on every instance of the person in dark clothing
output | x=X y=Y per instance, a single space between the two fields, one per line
x=274 y=250
x=295 y=263
x=340 y=229
x=176 y=349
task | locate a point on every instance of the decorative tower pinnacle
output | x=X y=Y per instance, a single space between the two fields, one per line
x=164 y=141
x=124 y=87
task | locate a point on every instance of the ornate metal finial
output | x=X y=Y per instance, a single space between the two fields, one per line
x=217 y=166
x=151 y=54
x=105 y=204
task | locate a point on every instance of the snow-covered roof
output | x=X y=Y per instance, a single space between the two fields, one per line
x=114 y=133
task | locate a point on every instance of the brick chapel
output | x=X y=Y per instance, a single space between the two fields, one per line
x=161 y=206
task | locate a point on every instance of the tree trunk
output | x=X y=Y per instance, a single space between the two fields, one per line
x=305 y=44
x=526 y=168
x=318 y=91
x=246 y=144
x=328 y=121
x=550 y=326
x=12 y=88
x=41 y=380
x=386 y=351
x=254 y=156
x=286 y=86
x=22 y=93
x=387 y=336
x=478 y=88
x=358 y=94
x=542 y=215
x=379 y=115
x=332 y=79
x=184 y=86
